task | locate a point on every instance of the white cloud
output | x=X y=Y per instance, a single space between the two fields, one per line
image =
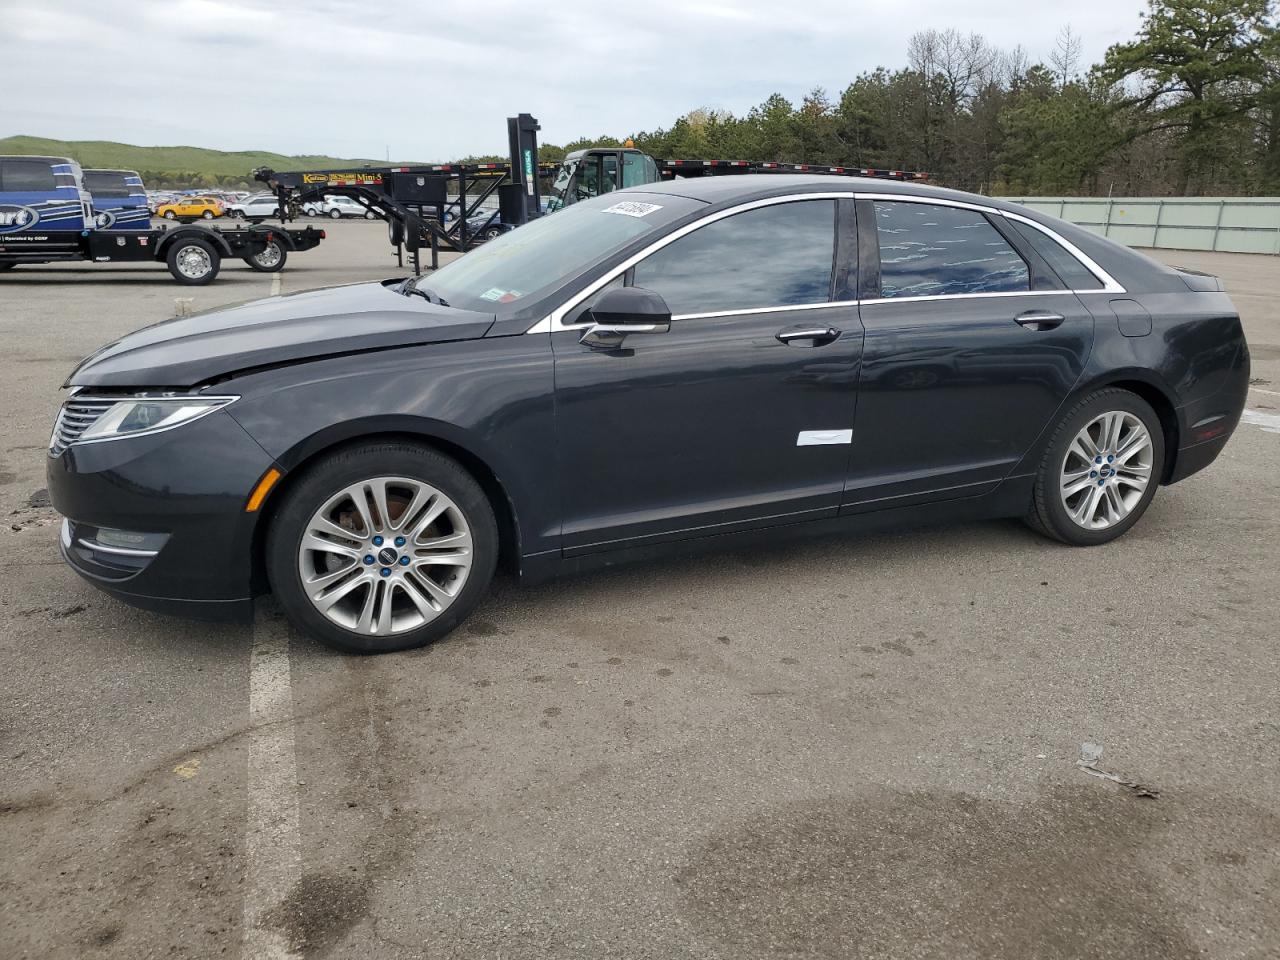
x=434 y=81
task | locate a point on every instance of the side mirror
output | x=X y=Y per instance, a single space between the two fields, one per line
x=624 y=311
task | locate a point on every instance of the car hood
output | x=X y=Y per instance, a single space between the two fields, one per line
x=187 y=351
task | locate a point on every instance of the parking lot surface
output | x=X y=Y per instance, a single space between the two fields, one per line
x=837 y=748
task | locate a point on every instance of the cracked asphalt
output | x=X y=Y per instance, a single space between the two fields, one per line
x=840 y=748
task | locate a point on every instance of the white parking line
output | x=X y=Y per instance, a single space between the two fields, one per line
x=1269 y=422
x=1273 y=393
x=273 y=856
x=275 y=284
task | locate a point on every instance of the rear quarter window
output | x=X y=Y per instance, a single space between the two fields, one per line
x=1071 y=271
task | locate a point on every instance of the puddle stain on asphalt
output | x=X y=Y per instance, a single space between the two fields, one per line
x=1066 y=876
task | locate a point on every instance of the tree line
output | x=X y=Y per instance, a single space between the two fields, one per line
x=1189 y=106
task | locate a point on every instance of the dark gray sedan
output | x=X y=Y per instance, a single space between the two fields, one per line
x=692 y=365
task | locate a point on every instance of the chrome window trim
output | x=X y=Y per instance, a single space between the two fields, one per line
x=554 y=321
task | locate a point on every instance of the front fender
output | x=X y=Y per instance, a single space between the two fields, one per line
x=491 y=399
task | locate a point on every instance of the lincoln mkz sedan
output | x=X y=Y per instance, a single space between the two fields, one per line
x=691 y=364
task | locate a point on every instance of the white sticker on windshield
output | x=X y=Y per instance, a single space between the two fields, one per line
x=633 y=208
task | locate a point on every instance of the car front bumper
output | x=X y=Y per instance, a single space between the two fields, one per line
x=159 y=521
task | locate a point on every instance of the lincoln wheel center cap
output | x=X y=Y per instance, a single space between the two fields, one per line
x=387 y=556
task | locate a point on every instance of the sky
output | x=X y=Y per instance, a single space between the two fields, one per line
x=429 y=81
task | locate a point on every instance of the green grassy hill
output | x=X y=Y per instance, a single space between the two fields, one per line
x=171 y=166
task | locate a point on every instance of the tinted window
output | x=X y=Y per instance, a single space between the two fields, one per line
x=1072 y=272
x=775 y=256
x=102 y=184
x=928 y=250
x=27 y=176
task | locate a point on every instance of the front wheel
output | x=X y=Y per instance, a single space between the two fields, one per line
x=170 y=215
x=335 y=214
x=193 y=262
x=270 y=259
x=382 y=546
x=1100 y=471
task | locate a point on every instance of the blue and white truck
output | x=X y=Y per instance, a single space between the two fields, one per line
x=49 y=212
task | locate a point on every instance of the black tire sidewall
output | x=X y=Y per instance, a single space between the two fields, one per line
x=352 y=465
x=1049 y=503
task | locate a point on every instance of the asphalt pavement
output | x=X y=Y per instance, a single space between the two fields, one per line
x=841 y=748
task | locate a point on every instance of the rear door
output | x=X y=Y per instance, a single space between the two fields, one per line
x=732 y=418
x=972 y=344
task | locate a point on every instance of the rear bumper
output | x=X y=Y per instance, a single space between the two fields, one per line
x=1207 y=424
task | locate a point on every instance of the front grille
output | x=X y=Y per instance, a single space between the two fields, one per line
x=76 y=416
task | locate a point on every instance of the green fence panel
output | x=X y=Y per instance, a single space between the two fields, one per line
x=1229 y=224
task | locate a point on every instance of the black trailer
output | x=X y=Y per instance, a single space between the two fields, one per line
x=193 y=254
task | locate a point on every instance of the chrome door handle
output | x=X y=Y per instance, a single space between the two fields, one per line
x=1039 y=319
x=819 y=335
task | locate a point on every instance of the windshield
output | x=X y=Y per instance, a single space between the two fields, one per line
x=560 y=186
x=520 y=265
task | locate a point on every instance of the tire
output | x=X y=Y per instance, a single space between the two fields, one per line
x=170 y=215
x=493 y=233
x=8 y=264
x=208 y=215
x=335 y=214
x=309 y=213
x=370 y=215
x=193 y=262
x=271 y=260
x=322 y=491
x=1106 y=500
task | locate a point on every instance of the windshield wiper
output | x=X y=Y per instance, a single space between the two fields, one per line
x=412 y=287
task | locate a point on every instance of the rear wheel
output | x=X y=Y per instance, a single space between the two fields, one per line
x=382 y=547
x=370 y=215
x=270 y=259
x=335 y=214
x=1100 y=471
x=170 y=215
x=208 y=215
x=193 y=262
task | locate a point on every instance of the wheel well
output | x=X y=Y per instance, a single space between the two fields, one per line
x=1163 y=407
x=503 y=511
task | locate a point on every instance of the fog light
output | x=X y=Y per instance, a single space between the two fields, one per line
x=129 y=540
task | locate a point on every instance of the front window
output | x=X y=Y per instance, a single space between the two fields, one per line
x=775 y=256
x=523 y=264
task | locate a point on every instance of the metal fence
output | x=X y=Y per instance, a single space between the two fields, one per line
x=1228 y=224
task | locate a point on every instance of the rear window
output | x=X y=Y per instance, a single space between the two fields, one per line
x=102 y=184
x=27 y=176
x=933 y=250
x=1072 y=272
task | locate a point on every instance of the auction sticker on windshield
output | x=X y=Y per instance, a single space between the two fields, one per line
x=633 y=208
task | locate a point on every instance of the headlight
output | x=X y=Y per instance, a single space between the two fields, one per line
x=139 y=415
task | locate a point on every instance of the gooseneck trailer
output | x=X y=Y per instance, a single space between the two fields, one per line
x=48 y=214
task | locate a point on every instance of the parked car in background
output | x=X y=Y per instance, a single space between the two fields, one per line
x=191 y=208
x=337 y=208
x=256 y=209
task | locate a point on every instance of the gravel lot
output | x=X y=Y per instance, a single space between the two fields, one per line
x=842 y=748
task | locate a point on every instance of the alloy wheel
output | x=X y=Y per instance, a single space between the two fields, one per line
x=194 y=262
x=1106 y=470
x=385 y=555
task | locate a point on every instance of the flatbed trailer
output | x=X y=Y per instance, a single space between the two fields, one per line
x=193 y=254
x=47 y=216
